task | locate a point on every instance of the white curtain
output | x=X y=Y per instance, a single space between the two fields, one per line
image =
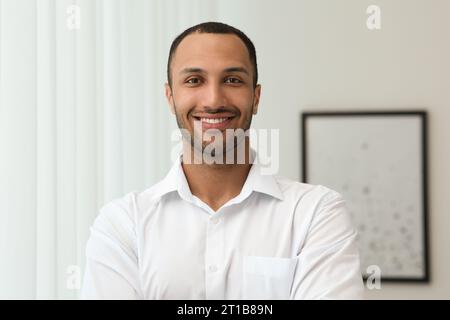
x=83 y=120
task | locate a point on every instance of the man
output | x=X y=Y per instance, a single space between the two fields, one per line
x=213 y=230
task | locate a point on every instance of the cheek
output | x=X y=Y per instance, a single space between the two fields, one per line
x=243 y=101
x=184 y=103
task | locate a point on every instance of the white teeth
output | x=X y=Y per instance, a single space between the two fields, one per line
x=217 y=120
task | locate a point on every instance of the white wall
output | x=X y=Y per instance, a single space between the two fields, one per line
x=319 y=54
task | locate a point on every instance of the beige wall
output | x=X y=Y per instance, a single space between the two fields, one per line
x=320 y=54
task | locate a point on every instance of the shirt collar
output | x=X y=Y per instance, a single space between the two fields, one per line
x=176 y=180
x=266 y=183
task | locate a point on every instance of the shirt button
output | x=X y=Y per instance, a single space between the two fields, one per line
x=215 y=220
x=212 y=268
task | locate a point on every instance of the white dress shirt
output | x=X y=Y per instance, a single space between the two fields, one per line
x=278 y=239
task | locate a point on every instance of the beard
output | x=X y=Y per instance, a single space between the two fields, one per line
x=229 y=142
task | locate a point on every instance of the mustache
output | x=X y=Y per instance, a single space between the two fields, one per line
x=219 y=110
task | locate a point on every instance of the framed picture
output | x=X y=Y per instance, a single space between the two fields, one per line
x=378 y=162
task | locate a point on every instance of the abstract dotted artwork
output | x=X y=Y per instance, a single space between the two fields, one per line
x=378 y=162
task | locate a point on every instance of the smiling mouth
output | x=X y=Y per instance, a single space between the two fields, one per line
x=220 y=122
x=213 y=120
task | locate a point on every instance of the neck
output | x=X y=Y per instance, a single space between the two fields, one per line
x=216 y=184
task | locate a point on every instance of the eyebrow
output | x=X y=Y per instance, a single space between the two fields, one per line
x=192 y=70
x=227 y=70
x=237 y=69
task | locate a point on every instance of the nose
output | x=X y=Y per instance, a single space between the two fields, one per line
x=214 y=97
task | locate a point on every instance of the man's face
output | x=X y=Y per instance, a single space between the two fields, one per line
x=212 y=84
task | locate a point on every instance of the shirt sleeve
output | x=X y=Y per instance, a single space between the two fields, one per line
x=328 y=265
x=111 y=270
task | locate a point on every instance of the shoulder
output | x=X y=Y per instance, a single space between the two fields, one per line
x=122 y=211
x=314 y=203
x=298 y=191
x=115 y=220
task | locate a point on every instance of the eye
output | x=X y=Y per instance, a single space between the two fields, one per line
x=193 y=81
x=233 y=80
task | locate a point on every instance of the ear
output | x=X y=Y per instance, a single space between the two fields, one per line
x=169 y=97
x=257 y=95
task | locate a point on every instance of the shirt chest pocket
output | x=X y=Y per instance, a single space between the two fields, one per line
x=267 y=277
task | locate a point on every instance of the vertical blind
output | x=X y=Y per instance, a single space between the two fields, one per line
x=83 y=120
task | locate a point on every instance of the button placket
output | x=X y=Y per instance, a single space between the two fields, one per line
x=212 y=268
x=214 y=257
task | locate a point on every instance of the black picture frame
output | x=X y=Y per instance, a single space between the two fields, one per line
x=306 y=119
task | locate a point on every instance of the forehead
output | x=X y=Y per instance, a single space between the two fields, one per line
x=207 y=49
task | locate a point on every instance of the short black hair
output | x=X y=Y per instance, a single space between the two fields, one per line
x=218 y=28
